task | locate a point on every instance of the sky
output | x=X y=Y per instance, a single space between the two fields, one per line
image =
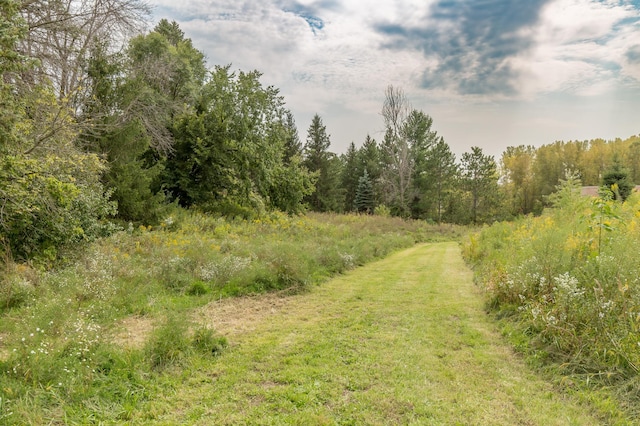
x=491 y=73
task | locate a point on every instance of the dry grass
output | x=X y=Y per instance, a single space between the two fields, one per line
x=231 y=317
x=132 y=332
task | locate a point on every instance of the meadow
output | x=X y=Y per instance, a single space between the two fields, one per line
x=566 y=287
x=87 y=339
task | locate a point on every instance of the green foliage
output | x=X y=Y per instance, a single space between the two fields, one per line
x=206 y=342
x=350 y=176
x=169 y=343
x=365 y=200
x=327 y=167
x=51 y=202
x=295 y=183
x=292 y=144
x=569 y=280
x=616 y=181
x=12 y=30
x=480 y=179
x=435 y=180
x=382 y=210
x=530 y=174
x=520 y=186
x=231 y=151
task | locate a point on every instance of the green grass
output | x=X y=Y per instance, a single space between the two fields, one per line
x=62 y=354
x=140 y=328
x=401 y=341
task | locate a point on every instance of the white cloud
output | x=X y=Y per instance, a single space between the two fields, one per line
x=578 y=47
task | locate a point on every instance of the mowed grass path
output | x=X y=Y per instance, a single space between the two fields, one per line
x=399 y=341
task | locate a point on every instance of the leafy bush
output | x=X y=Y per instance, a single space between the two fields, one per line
x=52 y=202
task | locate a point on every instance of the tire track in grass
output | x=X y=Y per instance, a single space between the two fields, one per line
x=400 y=341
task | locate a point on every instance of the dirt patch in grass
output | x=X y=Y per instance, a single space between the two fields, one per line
x=228 y=317
x=240 y=315
x=132 y=332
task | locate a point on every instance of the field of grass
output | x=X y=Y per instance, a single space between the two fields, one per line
x=91 y=340
x=567 y=287
x=404 y=340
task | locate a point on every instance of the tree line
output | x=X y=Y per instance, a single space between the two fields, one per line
x=101 y=119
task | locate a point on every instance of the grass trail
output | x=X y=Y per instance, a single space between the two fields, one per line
x=400 y=341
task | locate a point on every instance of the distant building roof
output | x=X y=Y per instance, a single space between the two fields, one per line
x=592 y=191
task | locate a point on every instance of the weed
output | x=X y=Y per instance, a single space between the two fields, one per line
x=169 y=343
x=206 y=342
x=572 y=277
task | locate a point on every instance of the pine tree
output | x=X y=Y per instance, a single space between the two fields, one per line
x=480 y=179
x=350 y=176
x=365 y=197
x=292 y=144
x=327 y=167
x=616 y=180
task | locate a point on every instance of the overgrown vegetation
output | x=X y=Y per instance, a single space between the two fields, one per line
x=59 y=355
x=568 y=285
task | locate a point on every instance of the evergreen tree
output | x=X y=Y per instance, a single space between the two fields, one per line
x=365 y=198
x=292 y=144
x=369 y=158
x=133 y=101
x=350 y=176
x=422 y=140
x=326 y=166
x=480 y=179
x=616 y=181
x=229 y=154
x=440 y=175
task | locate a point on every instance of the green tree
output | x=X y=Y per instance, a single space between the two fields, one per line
x=292 y=144
x=480 y=179
x=133 y=99
x=440 y=174
x=633 y=154
x=519 y=180
x=549 y=168
x=369 y=157
x=12 y=30
x=422 y=140
x=229 y=153
x=326 y=166
x=616 y=181
x=50 y=192
x=350 y=176
x=364 y=199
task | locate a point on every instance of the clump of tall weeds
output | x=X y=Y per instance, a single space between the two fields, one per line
x=570 y=281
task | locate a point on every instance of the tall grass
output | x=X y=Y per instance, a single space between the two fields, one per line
x=570 y=283
x=58 y=357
